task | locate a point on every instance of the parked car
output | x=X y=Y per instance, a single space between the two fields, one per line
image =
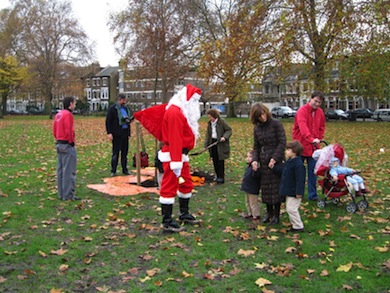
x=283 y=112
x=361 y=113
x=35 y=111
x=337 y=114
x=381 y=115
x=17 y=112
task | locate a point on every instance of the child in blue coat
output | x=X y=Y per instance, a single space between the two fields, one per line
x=292 y=184
x=251 y=186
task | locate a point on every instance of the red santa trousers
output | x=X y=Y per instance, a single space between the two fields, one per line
x=170 y=186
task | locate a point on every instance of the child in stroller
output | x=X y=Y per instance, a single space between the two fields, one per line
x=354 y=179
x=333 y=189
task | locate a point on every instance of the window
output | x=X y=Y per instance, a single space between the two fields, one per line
x=104 y=81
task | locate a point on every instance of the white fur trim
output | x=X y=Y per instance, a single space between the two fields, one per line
x=184 y=195
x=176 y=165
x=167 y=200
x=196 y=97
x=166 y=157
x=190 y=109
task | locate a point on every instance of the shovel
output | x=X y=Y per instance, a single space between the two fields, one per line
x=205 y=149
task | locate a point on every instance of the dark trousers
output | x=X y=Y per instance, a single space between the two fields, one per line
x=120 y=144
x=219 y=165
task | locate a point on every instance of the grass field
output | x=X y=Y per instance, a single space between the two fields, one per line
x=115 y=244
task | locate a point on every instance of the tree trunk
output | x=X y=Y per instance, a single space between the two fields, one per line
x=231 y=113
x=3 y=110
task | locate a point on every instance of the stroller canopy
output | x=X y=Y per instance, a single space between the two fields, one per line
x=324 y=155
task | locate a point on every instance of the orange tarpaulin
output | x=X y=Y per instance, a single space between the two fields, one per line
x=126 y=185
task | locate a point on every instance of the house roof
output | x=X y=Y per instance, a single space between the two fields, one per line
x=108 y=71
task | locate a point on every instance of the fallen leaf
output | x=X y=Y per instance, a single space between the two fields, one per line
x=347 y=287
x=261 y=265
x=59 y=251
x=261 y=282
x=147 y=278
x=324 y=273
x=186 y=275
x=290 y=249
x=246 y=252
x=272 y=238
x=158 y=283
x=382 y=249
x=103 y=289
x=387 y=264
x=344 y=268
x=63 y=268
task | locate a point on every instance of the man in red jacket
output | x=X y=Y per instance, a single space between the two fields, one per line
x=309 y=130
x=63 y=131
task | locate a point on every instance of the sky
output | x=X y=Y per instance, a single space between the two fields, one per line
x=93 y=17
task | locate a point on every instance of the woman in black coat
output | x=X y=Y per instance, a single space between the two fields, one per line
x=269 y=145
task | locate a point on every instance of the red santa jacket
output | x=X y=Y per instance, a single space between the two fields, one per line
x=308 y=125
x=177 y=136
x=63 y=127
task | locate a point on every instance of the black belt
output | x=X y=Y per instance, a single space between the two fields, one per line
x=64 y=142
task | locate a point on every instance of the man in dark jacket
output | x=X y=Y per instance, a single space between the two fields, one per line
x=118 y=129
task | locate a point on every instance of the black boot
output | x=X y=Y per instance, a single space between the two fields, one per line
x=185 y=216
x=275 y=218
x=169 y=225
x=269 y=214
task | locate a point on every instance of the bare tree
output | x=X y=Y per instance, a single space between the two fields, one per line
x=157 y=38
x=48 y=36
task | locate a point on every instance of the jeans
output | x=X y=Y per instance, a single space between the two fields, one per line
x=311 y=178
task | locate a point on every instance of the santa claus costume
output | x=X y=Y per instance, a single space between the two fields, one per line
x=178 y=131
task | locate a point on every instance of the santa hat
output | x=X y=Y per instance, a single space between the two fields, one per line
x=193 y=92
x=186 y=94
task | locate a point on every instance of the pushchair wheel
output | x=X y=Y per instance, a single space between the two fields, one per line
x=336 y=200
x=321 y=203
x=352 y=207
x=362 y=204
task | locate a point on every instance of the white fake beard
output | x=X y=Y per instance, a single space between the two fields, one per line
x=191 y=111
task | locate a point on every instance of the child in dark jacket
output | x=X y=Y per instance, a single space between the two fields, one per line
x=292 y=184
x=251 y=186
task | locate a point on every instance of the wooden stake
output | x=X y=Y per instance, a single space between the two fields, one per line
x=137 y=153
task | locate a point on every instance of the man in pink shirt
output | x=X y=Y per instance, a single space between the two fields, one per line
x=63 y=131
x=309 y=130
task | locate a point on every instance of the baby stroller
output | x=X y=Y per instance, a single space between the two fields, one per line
x=334 y=190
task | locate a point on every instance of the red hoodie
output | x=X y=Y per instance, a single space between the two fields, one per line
x=309 y=124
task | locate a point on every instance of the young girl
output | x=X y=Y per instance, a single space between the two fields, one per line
x=292 y=185
x=251 y=186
